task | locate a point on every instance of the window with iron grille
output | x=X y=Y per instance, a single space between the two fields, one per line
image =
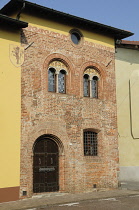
x=90 y=143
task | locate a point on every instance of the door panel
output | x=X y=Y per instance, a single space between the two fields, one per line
x=45 y=166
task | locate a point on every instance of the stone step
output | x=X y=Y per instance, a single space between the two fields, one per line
x=129 y=185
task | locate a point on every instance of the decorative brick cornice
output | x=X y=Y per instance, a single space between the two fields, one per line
x=99 y=46
x=46 y=32
x=66 y=38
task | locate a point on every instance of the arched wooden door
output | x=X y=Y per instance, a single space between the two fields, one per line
x=45 y=166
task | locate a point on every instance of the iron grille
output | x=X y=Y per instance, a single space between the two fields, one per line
x=90 y=143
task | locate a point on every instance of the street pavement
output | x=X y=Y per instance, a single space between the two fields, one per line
x=98 y=200
x=130 y=202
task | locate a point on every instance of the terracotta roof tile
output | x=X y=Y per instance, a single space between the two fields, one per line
x=130 y=42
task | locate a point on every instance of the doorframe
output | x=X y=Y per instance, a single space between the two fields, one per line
x=44 y=138
x=61 y=159
x=26 y=177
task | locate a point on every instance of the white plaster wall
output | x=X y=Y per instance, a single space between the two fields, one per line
x=129 y=173
x=127 y=81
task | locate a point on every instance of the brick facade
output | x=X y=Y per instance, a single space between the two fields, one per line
x=65 y=116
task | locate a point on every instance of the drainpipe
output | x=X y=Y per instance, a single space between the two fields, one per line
x=23 y=7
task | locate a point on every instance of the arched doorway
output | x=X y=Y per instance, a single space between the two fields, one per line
x=45 y=165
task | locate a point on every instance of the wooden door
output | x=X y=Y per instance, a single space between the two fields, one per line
x=45 y=166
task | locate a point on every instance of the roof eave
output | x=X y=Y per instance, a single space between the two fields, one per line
x=14 y=5
x=11 y=22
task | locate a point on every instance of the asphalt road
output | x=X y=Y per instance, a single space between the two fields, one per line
x=118 y=203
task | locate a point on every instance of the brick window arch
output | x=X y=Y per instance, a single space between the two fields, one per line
x=90 y=139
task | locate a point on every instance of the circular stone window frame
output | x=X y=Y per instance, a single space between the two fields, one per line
x=76 y=31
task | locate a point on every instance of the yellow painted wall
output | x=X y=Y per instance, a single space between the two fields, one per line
x=127 y=65
x=10 y=112
x=64 y=29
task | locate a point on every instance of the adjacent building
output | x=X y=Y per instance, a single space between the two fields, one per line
x=127 y=80
x=10 y=108
x=64 y=67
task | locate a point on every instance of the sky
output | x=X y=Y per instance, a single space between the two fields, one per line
x=122 y=14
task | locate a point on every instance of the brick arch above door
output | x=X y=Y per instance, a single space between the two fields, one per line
x=27 y=157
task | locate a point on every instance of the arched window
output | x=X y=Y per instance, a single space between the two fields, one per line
x=57 y=77
x=86 y=86
x=95 y=87
x=90 y=82
x=51 y=80
x=90 y=143
x=61 y=81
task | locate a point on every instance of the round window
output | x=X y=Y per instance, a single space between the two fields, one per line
x=75 y=37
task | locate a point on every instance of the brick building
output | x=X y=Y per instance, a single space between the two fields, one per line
x=68 y=113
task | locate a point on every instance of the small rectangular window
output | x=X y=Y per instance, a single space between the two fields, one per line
x=90 y=143
x=24 y=193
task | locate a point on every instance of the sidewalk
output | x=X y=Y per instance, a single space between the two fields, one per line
x=60 y=198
